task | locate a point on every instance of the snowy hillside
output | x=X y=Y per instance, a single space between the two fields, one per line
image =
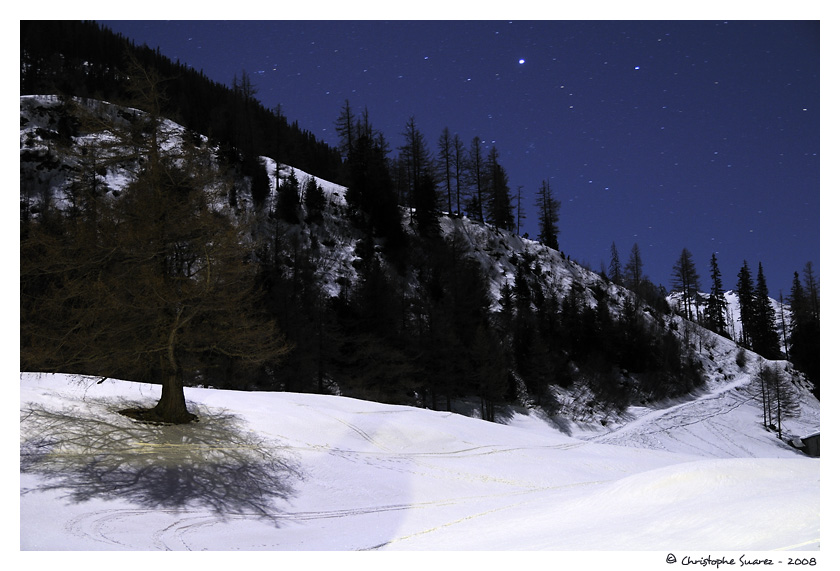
x=288 y=471
x=732 y=315
x=284 y=471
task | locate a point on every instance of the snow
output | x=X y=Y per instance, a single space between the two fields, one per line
x=306 y=473
x=287 y=471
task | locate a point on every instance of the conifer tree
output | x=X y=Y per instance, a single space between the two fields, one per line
x=633 y=275
x=460 y=161
x=314 y=200
x=345 y=126
x=416 y=162
x=716 y=307
x=370 y=195
x=746 y=300
x=548 y=208
x=477 y=179
x=288 y=200
x=159 y=286
x=520 y=211
x=765 y=336
x=500 y=208
x=686 y=280
x=805 y=328
x=446 y=166
x=614 y=271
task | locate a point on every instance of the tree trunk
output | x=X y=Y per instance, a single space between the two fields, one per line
x=172 y=406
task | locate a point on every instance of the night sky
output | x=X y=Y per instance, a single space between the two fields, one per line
x=671 y=134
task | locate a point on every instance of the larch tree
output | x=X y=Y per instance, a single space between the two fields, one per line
x=477 y=179
x=416 y=162
x=746 y=300
x=805 y=327
x=446 y=165
x=160 y=286
x=500 y=210
x=633 y=275
x=614 y=270
x=716 y=307
x=686 y=280
x=459 y=164
x=548 y=208
x=520 y=211
x=765 y=336
x=345 y=126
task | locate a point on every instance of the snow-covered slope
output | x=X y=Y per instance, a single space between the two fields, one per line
x=305 y=472
x=283 y=471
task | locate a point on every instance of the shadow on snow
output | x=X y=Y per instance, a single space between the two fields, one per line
x=214 y=464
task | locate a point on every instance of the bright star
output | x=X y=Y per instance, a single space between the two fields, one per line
x=521 y=61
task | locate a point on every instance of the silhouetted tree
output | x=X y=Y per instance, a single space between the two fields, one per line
x=288 y=199
x=614 y=271
x=477 y=176
x=716 y=307
x=416 y=162
x=314 y=200
x=159 y=286
x=686 y=280
x=765 y=337
x=805 y=327
x=633 y=275
x=500 y=208
x=746 y=300
x=446 y=166
x=548 y=208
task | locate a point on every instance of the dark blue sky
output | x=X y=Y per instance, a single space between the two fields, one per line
x=671 y=134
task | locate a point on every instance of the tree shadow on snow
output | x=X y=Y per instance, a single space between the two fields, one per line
x=214 y=464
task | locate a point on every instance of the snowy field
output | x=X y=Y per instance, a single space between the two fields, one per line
x=285 y=471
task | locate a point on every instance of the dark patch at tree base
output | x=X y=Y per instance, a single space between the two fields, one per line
x=151 y=416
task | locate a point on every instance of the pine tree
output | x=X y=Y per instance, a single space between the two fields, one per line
x=288 y=200
x=686 y=280
x=765 y=336
x=345 y=126
x=614 y=271
x=716 y=307
x=460 y=161
x=633 y=275
x=446 y=166
x=520 y=212
x=805 y=327
x=426 y=206
x=746 y=300
x=370 y=194
x=548 y=207
x=314 y=200
x=477 y=175
x=500 y=208
x=416 y=162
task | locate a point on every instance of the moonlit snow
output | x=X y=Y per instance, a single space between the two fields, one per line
x=286 y=471
x=301 y=472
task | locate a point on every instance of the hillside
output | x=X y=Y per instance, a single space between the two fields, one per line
x=504 y=261
x=617 y=458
